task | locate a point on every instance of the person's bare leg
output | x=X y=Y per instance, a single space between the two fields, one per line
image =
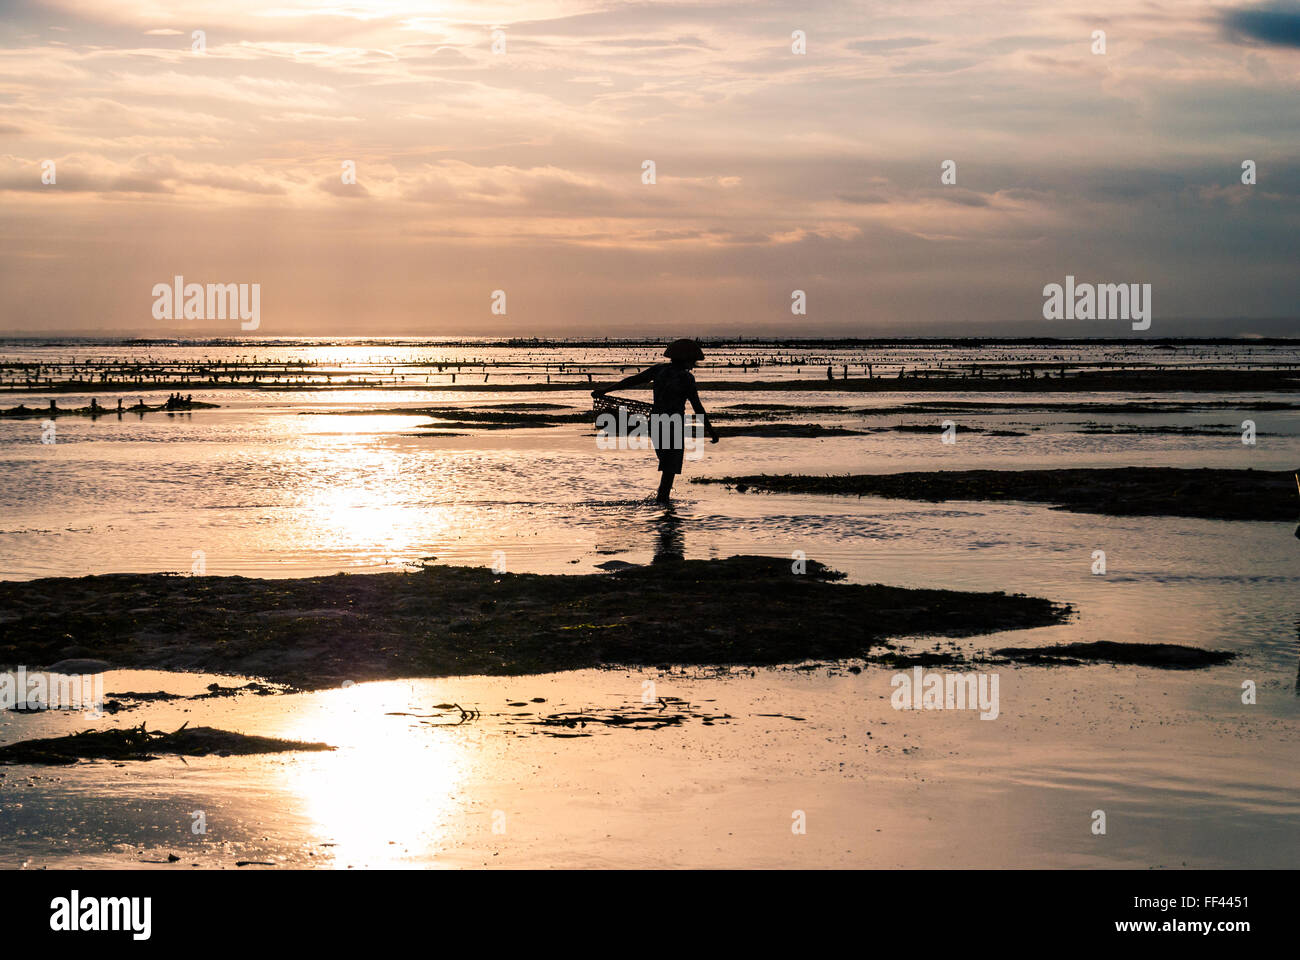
x=665 y=487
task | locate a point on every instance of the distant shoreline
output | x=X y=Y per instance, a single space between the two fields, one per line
x=658 y=341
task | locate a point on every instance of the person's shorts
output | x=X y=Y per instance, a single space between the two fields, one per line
x=669 y=441
x=670 y=459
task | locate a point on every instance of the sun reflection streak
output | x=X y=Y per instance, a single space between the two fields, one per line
x=360 y=500
x=388 y=795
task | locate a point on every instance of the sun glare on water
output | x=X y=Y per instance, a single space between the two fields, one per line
x=389 y=794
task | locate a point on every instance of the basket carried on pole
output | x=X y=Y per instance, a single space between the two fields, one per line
x=611 y=405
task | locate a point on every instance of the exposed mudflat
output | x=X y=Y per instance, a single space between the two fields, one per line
x=1168 y=656
x=137 y=743
x=1211 y=494
x=446 y=621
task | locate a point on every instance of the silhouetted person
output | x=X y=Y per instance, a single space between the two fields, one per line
x=674 y=385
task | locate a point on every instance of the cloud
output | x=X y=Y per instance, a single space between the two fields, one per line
x=145 y=174
x=1276 y=24
x=335 y=186
x=861 y=198
x=888 y=45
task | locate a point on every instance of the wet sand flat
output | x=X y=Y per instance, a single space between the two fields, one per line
x=878 y=787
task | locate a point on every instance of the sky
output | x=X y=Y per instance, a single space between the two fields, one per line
x=502 y=147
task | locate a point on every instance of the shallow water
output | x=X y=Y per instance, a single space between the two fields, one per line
x=273 y=485
x=279 y=483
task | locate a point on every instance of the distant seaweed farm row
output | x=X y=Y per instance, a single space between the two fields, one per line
x=865 y=377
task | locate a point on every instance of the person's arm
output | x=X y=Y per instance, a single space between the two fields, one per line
x=636 y=380
x=699 y=409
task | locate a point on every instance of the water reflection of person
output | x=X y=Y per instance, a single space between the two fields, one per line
x=670 y=542
x=674 y=385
